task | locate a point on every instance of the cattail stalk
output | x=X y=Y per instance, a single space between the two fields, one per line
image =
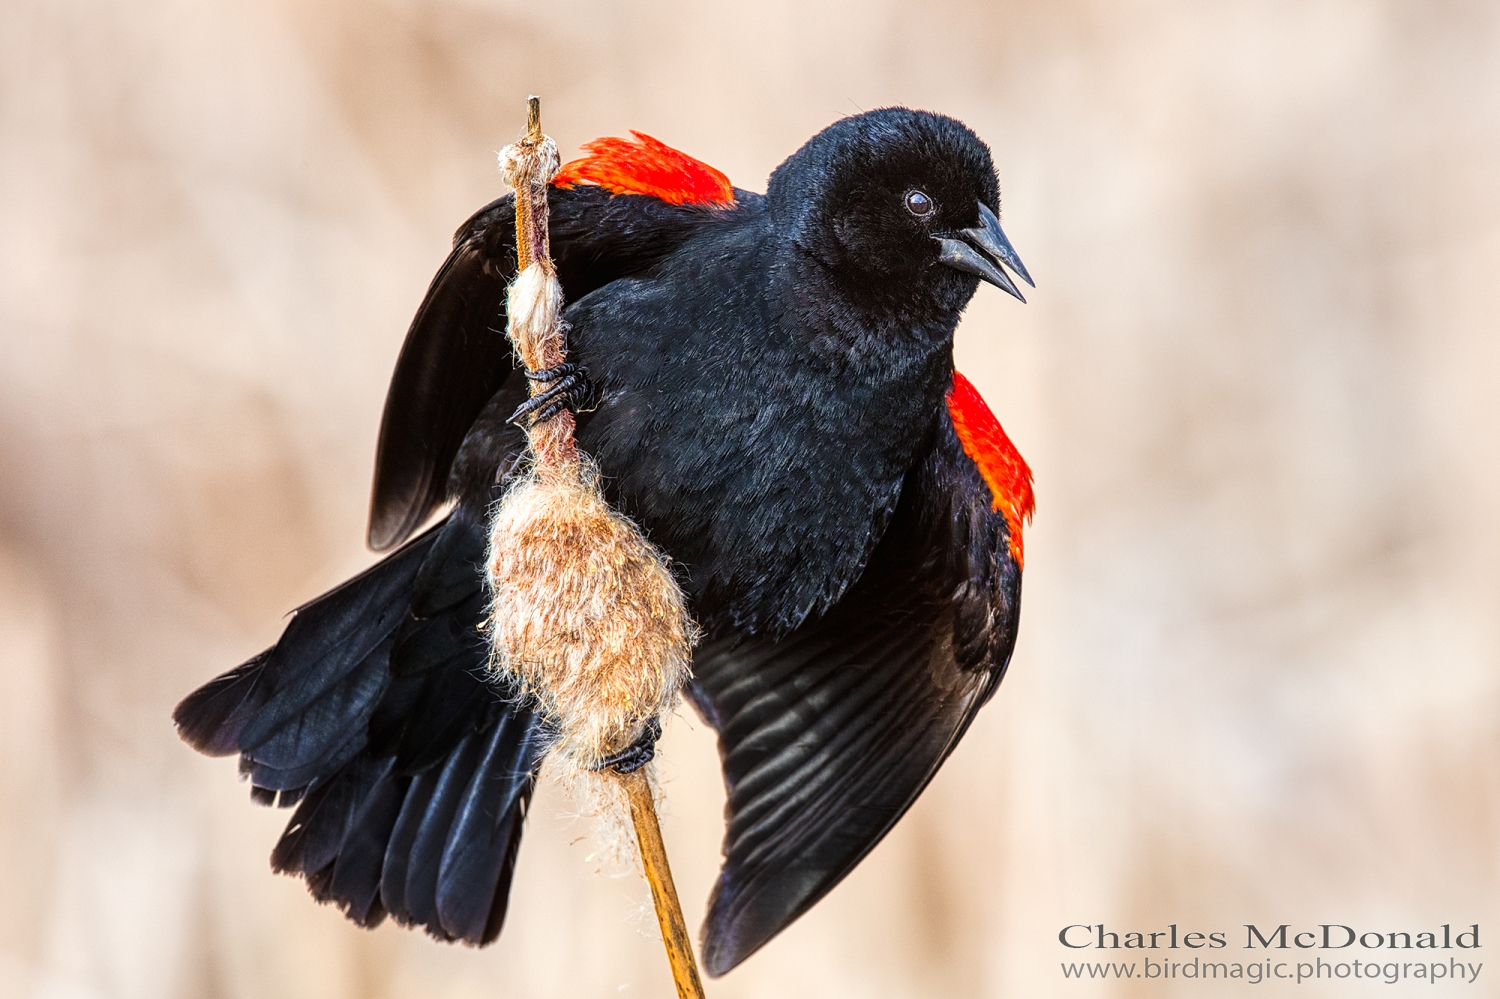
x=586 y=617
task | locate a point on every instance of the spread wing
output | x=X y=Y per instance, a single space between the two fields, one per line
x=828 y=735
x=456 y=355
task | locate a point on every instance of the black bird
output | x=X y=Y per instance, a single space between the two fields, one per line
x=767 y=384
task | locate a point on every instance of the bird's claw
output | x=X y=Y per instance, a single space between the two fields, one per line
x=570 y=389
x=636 y=755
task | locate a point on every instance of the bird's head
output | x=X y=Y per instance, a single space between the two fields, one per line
x=900 y=203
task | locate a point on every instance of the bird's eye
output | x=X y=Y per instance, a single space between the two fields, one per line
x=918 y=203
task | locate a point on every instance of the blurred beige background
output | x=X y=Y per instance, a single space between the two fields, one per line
x=1259 y=384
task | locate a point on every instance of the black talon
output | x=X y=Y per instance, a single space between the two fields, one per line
x=640 y=753
x=570 y=389
x=540 y=400
x=550 y=374
x=551 y=411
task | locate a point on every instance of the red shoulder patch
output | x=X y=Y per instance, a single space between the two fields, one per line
x=647 y=166
x=1001 y=465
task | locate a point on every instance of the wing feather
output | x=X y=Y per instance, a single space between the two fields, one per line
x=828 y=735
x=456 y=355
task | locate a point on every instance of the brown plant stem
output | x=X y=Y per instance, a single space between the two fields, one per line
x=531 y=225
x=674 y=931
x=552 y=445
x=551 y=442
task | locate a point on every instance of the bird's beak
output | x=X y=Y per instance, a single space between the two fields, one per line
x=982 y=250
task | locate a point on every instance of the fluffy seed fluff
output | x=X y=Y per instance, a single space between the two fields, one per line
x=585 y=613
x=598 y=803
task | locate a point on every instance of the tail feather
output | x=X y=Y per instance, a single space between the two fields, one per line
x=448 y=707
x=325 y=758
x=332 y=637
x=211 y=718
x=361 y=855
x=432 y=834
x=436 y=665
x=449 y=575
x=327 y=733
x=485 y=834
x=410 y=770
x=321 y=822
x=400 y=847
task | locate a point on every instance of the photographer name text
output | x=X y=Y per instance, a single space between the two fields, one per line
x=1285 y=936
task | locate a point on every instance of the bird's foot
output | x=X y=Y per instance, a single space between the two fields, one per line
x=636 y=755
x=570 y=389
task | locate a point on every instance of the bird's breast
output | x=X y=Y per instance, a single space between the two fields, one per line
x=767 y=481
x=764 y=472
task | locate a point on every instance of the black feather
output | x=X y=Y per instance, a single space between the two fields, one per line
x=355 y=883
x=211 y=718
x=479 y=851
x=409 y=768
x=306 y=745
x=398 y=851
x=431 y=839
x=331 y=637
x=456 y=355
x=830 y=733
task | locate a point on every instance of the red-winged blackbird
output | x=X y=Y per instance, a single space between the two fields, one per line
x=767 y=384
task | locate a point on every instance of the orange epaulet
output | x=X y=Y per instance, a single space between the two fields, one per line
x=999 y=463
x=647 y=166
